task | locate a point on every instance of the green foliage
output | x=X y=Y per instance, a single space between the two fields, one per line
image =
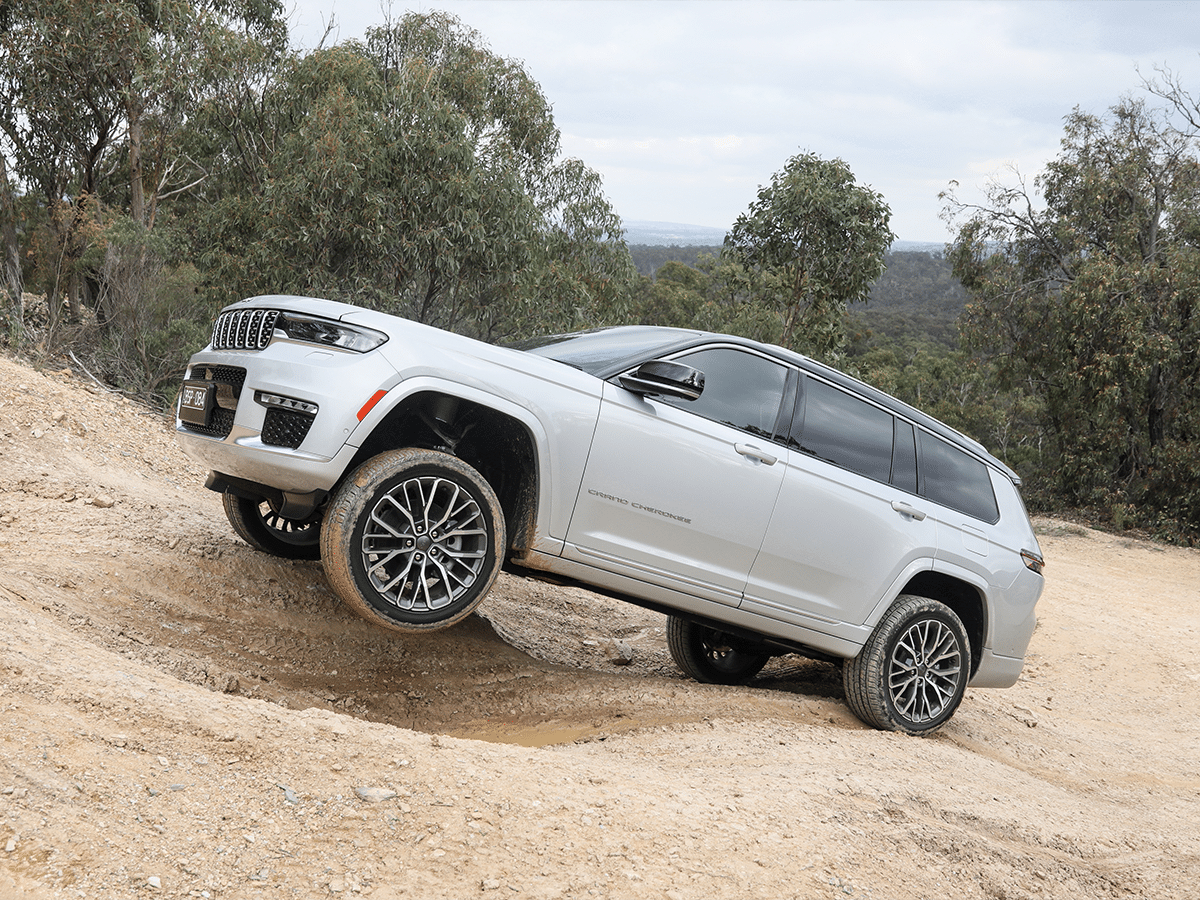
x=812 y=242
x=674 y=297
x=415 y=172
x=649 y=258
x=917 y=298
x=95 y=107
x=419 y=174
x=152 y=320
x=581 y=275
x=1092 y=304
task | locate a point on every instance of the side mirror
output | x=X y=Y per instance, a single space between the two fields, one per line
x=664 y=379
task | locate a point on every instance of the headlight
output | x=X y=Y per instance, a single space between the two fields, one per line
x=328 y=332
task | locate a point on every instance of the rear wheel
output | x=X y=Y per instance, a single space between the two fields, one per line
x=264 y=529
x=413 y=539
x=712 y=656
x=913 y=671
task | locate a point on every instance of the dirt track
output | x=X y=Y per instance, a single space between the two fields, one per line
x=183 y=717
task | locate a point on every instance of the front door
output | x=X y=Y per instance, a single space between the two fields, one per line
x=678 y=492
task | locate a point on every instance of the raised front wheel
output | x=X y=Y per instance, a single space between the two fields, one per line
x=413 y=539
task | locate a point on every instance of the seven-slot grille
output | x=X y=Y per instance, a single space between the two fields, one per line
x=244 y=329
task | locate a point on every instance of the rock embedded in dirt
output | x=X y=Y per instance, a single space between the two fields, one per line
x=374 y=794
x=620 y=653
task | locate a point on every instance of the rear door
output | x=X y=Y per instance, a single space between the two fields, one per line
x=680 y=492
x=848 y=522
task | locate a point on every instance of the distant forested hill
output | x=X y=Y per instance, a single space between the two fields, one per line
x=649 y=258
x=917 y=298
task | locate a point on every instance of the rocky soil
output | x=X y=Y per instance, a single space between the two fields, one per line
x=181 y=716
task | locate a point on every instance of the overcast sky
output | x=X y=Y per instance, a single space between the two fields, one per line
x=687 y=108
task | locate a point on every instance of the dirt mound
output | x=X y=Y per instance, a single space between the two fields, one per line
x=184 y=717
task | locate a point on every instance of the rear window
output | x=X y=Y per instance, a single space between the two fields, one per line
x=955 y=479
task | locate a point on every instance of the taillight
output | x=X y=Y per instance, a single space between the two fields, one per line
x=1033 y=561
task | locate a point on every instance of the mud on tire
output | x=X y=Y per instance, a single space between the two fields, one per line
x=413 y=539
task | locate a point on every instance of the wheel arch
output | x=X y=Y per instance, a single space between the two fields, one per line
x=498 y=443
x=964 y=598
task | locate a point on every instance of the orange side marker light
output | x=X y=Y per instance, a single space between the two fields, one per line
x=370 y=404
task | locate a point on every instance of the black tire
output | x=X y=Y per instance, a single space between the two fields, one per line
x=712 y=656
x=913 y=671
x=263 y=529
x=386 y=548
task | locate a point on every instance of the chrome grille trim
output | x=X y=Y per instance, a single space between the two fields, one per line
x=244 y=329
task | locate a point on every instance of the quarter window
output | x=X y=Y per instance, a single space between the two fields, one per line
x=846 y=431
x=743 y=390
x=954 y=479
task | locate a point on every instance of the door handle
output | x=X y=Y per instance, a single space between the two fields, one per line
x=754 y=453
x=905 y=510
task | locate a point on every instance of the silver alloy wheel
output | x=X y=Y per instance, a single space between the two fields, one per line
x=912 y=672
x=924 y=670
x=425 y=544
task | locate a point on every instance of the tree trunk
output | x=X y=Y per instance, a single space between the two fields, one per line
x=73 y=298
x=137 y=196
x=12 y=253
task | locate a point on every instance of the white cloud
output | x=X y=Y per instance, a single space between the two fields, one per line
x=686 y=108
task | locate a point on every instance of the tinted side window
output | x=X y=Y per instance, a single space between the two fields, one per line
x=954 y=479
x=740 y=389
x=844 y=430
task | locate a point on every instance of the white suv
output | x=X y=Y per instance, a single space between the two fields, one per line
x=766 y=503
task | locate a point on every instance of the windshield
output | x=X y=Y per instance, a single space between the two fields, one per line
x=598 y=351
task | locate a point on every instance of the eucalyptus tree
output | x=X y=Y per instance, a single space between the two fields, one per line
x=813 y=241
x=94 y=99
x=1085 y=289
x=421 y=173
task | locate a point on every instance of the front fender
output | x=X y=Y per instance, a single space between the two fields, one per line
x=560 y=426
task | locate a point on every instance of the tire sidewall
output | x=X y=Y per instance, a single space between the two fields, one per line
x=866 y=676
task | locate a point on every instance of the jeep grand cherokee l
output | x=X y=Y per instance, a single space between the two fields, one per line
x=765 y=503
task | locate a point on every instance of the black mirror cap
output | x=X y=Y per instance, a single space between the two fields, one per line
x=662 y=378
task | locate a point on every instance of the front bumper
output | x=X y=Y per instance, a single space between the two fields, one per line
x=244 y=438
